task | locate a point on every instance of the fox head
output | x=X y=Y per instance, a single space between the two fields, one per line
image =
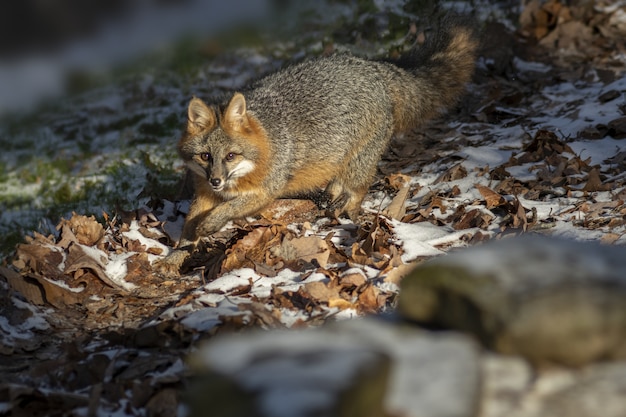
x=228 y=147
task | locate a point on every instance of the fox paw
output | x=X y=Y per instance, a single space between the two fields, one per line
x=170 y=265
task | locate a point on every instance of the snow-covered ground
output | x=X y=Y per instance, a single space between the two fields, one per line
x=536 y=150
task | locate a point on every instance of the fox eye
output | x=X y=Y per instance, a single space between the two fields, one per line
x=205 y=156
x=230 y=156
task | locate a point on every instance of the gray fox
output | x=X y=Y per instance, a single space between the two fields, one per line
x=319 y=124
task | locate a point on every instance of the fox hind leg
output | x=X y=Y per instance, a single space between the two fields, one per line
x=347 y=191
x=346 y=199
x=349 y=188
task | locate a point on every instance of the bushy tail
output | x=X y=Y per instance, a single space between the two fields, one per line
x=438 y=72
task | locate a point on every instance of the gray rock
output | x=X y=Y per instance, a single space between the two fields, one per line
x=361 y=368
x=506 y=382
x=598 y=391
x=549 y=300
x=512 y=388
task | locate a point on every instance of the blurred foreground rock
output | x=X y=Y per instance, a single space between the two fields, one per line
x=549 y=300
x=355 y=368
x=531 y=302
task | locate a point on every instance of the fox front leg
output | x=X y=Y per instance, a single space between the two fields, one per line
x=171 y=264
x=239 y=207
x=207 y=223
x=200 y=209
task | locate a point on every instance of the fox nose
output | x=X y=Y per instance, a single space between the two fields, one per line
x=216 y=182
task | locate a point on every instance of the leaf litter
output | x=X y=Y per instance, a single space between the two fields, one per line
x=539 y=150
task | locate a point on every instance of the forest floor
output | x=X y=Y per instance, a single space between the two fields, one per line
x=536 y=146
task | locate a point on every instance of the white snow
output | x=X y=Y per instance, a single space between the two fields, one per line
x=417 y=239
x=135 y=234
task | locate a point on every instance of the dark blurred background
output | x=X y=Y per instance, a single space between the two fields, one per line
x=42 y=40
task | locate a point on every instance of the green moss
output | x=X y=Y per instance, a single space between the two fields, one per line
x=9 y=241
x=170 y=126
x=4 y=173
x=63 y=194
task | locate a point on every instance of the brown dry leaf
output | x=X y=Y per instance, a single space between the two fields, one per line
x=78 y=259
x=269 y=317
x=241 y=289
x=594 y=183
x=311 y=248
x=250 y=249
x=569 y=36
x=321 y=292
x=265 y=269
x=544 y=145
x=133 y=245
x=617 y=128
x=398 y=181
x=340 y=303
x=58 y=296
x=396 y=274
x=139 y=270
x=538 y=18
x=43 y=260
x=163 y=403
x=300 y=299
x=86 y=229
x=610 y=238
x=376 y=237
x=282 y=298
x=396 y=256
x=67 y=236
x=352 y=280
x=438 y=202
x=456 y=172
x=358 y=255
x=329 y=294
x=519 y=215
x=396 y=210
x=27 y=287
x=336 y=255
x=472 y=218
x=492 y=199
x=368 y=299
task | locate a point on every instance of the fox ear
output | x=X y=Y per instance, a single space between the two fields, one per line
x=201 y=117
x=235 y=114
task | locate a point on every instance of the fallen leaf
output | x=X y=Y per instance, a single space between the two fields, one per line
x=353 y=279
x=398 y=181
x=594 y=183
x=57 y=295
x=320 y=291
x=492 y=199
x=29 y=288
x=77 y=259
x=471 y=218
x=396 y=209
x=252 y=248
x=86 y=229
x=340 y=303
x=396 y=274
x=456 y=172
x=368 y=300
x=310 y=248
x=43 y=260
x=610 y=238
